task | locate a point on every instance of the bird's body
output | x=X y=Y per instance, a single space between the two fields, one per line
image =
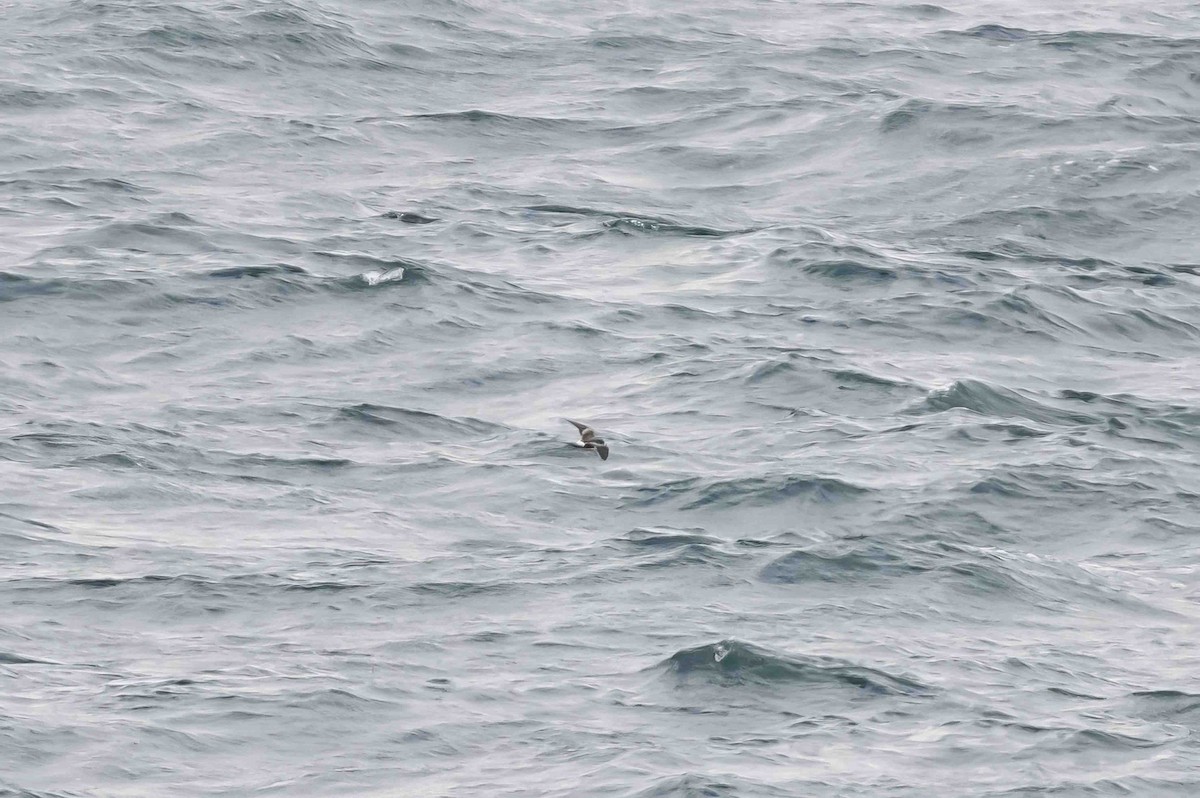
x=588 y=440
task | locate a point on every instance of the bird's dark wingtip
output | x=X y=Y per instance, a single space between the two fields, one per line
x=585 y=432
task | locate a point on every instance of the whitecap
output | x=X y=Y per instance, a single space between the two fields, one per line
x=375 y=277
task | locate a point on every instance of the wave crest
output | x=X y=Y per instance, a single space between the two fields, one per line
x=749 y=490
x=732 y=662
x=998 y=402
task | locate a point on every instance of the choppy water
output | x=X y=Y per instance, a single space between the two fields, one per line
x=890 y=312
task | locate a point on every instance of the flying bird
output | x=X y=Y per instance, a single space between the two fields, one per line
x=588 y=440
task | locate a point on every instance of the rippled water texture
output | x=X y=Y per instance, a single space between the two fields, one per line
x=888 y=311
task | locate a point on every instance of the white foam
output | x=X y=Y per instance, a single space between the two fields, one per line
x=390 y=276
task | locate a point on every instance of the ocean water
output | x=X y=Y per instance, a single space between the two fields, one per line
x=889 y=311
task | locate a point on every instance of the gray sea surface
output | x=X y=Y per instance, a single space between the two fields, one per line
x=889 y=311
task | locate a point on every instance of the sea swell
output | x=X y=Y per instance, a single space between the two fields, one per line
x=886 y=312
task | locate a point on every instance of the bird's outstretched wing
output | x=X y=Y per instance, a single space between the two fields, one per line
x=586 y=433
x=602 y=450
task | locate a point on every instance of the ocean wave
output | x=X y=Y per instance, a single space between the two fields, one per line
x=461 y=589
x=250 y=285
x=669 y=548
x=1042 y=222
x=1165 y=706
x=268 y=270
x=890 y=312
x=21 y=96
x=667 y=538
x=966 y=126
x=849 y=270
x=1050 y=583
x=401 y=421
x=272 y=461
x=999 y=402
x=1079 y=39
x=373 y=272
x=1021 y=252
x=408 y=217
x=697 y=492
x=624 y=221
x=732 y=662
x=182 y=588
x=15 y=287
x=239 y=37
x=1039 y=482
x=161 y=236
x=703 y=785
x=8 y=658
x=845 y=561
x=856 y=263
x=32 y=522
